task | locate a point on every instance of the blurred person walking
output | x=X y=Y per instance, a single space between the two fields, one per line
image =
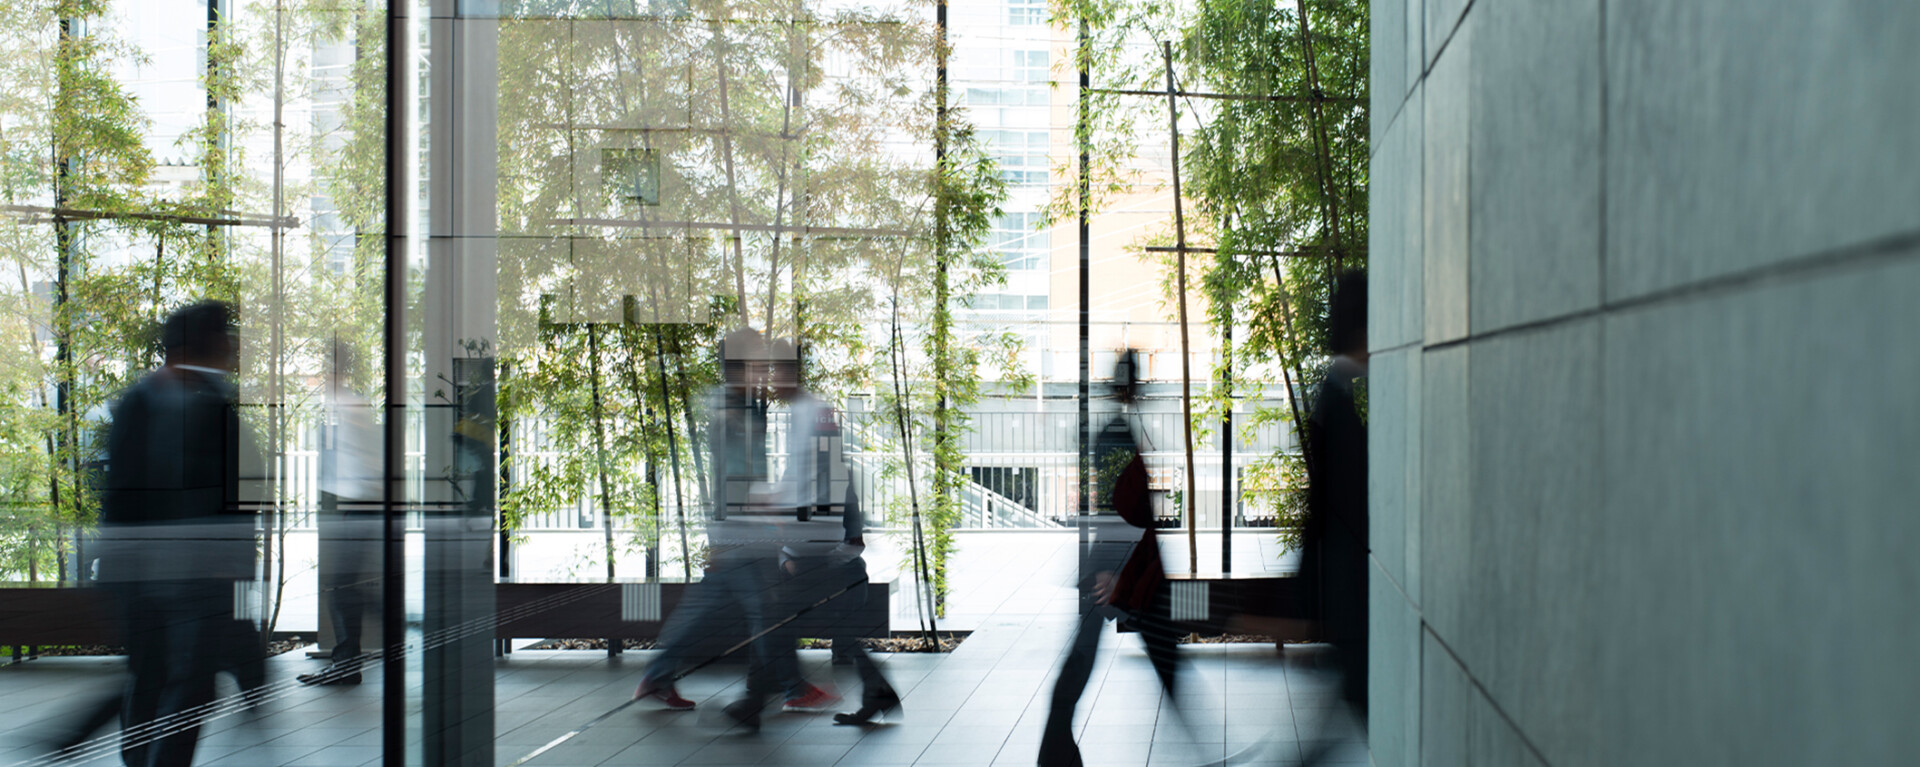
x=1333 y=561
x=350 y=520
x=845 y=568
x=1121 y=574
x=176 y=536
x=743 y=538
x=820 y=553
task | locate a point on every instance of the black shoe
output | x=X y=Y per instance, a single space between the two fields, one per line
x=869 y=710
x=1059 y=750
x=329 y=677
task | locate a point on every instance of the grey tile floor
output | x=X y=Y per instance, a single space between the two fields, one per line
x=980 y=705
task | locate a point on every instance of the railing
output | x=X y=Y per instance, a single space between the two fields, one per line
x=986 y=509
x=1031 y=452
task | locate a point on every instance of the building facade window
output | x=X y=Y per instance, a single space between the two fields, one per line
x=1026 y=13
x=1019 y=244
x=1029 y=67
x=1021 y=154
x=1007 y=302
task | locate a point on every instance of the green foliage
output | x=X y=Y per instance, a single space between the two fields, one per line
x=1277 y=187
x=1109 y=126
x=647 y=380
x=925 y=373
x=785 y=146
x=83 y=294
x=71 y=137
x=1281 y=177
x=967 y=197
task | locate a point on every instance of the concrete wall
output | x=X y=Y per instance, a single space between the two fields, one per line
x=1646 y=396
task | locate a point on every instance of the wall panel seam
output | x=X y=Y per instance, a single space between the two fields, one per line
x=1602 y=170
x=1426 y=64
x=1382 y=568
x=1398 y=110
x=1873 y=253
x=1473 y=680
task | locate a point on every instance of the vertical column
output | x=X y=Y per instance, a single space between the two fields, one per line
x=399 y=177
x=458 y=339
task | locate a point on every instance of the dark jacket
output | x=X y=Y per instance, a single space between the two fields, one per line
x=171 y=506
x=1334 y=541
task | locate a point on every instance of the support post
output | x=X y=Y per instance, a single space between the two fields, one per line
x=1226 y=447
x=1083 y=137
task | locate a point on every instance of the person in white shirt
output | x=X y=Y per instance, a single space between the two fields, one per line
x=350 y=517
x=745 y=534
x=826 y=578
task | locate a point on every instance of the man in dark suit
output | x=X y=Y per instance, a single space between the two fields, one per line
x=177 y=539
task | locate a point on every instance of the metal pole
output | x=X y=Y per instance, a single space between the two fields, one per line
x=1083 y=135
x=1226 y=449
x=393 y=710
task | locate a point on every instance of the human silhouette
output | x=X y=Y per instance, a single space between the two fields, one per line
x=745 y=535
x=176 y=536
x=1121 y=574
x=1333 y=561
x=350 y=524
x=820 y=553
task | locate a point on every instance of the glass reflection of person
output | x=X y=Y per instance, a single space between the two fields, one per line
x=175 y=535
x=820 y=551
x=744 y=544
x=349 y=520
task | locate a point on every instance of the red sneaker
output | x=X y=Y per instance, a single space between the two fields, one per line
x=667 y=695
x=814 y=699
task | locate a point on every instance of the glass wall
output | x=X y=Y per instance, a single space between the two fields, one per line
x=378 y=376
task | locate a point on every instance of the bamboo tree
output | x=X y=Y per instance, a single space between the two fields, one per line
x=812 y=162
x=1281 y=177
x=1186 y=351
x=89 y=127
x=1279 y=167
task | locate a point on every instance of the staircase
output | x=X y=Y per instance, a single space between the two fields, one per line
x=981 y=507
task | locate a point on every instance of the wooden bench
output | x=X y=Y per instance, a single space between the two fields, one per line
x=47 y=614
x=635 y=610
x=1252 y=603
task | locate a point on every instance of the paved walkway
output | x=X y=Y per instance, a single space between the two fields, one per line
x=980 y=705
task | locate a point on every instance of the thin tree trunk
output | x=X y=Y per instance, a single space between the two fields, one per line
x=733 y=189
x=1293 y=403
x=944 y=485
x=639 y=393
x=673 y=441
x=68 y=252
x=896 y=354
x=1322 y=166
x=781 y=205
x=699 y=461
x=1191 y=504
x=600 y=445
